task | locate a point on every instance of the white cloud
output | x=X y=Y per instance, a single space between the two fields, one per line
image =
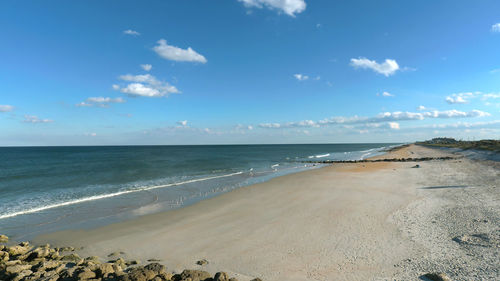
x=146 y=67
x=6 y=108
x=491 y=96
x=270 y=125
x=495 y=27
x=394 y=125
x=35 y=119
x=386 y=94
x=380 y=118
x=289 y=7
x=177 y=54
x=146 y=85
x=84 y=104
x=387 y=68
x=105 y=100
x=90 y=134
x=131 y=32
x=100 y=101
x=138 y=89
x=115 y=87
x=455 y=100
x=465 y=97
x=421 y=108
x=182 y=123
x=461 y=98
x=243 y=127
x=300 y=77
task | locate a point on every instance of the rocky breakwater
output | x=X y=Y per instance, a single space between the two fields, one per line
x=26 y=262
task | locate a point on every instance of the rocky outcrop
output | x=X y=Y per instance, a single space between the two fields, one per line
x=24 y=262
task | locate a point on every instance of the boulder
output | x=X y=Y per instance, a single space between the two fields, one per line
x=46 y=265
x=202 y=262
x=120 y=262
x=21 y=275
x=256 y=279
x=132 y=262
x=86 y=274
x=14 y=269
x=233 y=279
x=18 y=250
x=103 y=270
x=69 y=273
x=193 y=275
x=12 y=262
x=155 y=267
x=65 y=249
x=115 y=254
x=4 y=256
x=4 y=238
x=139 y=274
x=94 y=259
x=38 y=253
x=72 y=257
x=221 y=276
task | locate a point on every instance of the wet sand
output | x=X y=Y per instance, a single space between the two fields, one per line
x=353 y=221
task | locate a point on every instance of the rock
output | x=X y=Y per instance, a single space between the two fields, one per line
x=153 y=260
x=221 y=276
x=132 y=262
x=94 y=259
x=72 y=257
x=19 y=276
x=202 y=262
x=156 y=267
x=4 y=238
x=18 y=250
x=38 y=253
x=46 y=265
x=66 y=249
x=68 y=273
x=256 y=279
x=117 y=268
x=13 y=269
x=114 y=254
x=4 y=256
x=49 y=278
x=12 y=262
x=416 y=166
x=233 y=279
x=103 y=270
x=121 y=262
x=86 y=274
x=139 y=274
x=436 y=277
x=165 y=276
x=193 y=275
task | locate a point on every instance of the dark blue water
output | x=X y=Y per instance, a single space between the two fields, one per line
x=51 y=188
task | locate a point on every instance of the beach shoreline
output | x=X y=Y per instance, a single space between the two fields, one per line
x=352 y=221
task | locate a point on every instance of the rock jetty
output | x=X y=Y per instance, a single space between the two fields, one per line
x=420 y=159
x=26 y=262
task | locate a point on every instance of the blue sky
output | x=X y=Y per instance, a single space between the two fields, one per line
x=247 y=71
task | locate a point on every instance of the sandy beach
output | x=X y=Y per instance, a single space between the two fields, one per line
x=353 y=221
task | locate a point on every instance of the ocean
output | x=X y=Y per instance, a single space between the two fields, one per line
x=46 y=189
